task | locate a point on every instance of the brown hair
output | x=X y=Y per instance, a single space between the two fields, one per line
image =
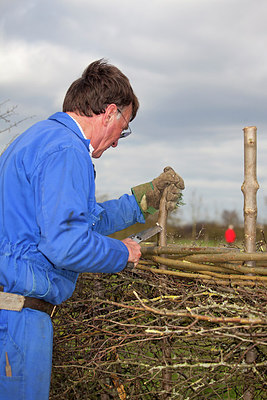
x=101 y=84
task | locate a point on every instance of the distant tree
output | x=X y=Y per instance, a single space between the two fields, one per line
x=8 y=116
x=174 y=219
x=9 y=119
x=230 y=218
x=195 y=204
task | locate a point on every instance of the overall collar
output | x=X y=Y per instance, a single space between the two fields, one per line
x=64 y=119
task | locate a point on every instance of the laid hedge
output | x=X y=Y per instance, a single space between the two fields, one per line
x=147 y=336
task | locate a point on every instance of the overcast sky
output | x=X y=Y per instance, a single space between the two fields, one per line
x=198 y=67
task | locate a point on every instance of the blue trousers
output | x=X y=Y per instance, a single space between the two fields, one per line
x=26 y=339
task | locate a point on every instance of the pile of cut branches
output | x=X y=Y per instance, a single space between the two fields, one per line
x=148 y=334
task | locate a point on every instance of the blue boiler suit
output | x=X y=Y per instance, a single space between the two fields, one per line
x=51 y=230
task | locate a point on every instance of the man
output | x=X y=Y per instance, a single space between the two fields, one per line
x=52 y=228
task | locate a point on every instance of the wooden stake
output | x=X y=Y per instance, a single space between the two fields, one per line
x=162 y=220
x=249 y=189
x=166 y=349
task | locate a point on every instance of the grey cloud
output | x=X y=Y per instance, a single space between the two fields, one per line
x=198 y=68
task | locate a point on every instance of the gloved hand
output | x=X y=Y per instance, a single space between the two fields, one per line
x=148 y=195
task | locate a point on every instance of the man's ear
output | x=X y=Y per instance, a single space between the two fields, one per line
x=110 y=113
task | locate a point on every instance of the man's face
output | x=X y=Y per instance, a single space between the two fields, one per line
x=110 y=131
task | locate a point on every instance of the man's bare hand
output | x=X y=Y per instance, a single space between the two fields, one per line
x=134 y=250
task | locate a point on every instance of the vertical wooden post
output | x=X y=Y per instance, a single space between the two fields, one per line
x=162 y=220
x=166 y=348
x=249 y=189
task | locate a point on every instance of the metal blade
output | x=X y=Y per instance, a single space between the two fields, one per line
x=146 y=234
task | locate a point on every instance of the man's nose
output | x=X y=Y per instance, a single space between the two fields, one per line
x=115 y=144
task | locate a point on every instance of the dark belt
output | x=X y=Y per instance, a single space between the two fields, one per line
x=37 y=304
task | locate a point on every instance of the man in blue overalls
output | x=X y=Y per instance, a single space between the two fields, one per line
x=52 y=228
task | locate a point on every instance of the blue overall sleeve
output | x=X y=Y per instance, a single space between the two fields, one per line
x=119 y=214
x=67 y=214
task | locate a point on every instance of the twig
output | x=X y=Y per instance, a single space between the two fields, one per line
x=200 y=317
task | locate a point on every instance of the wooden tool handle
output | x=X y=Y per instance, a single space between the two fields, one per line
x=8 y=367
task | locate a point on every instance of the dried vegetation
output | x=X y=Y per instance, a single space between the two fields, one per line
x=158 y=334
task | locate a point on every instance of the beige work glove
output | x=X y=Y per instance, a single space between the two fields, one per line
x=148 y=194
